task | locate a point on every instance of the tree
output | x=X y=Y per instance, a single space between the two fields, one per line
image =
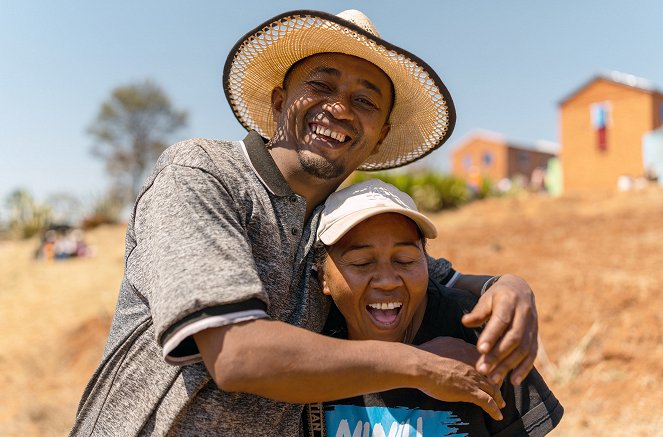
x=131 y=130
x=26 y=217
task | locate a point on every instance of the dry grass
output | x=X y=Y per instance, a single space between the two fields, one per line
x=595 y=264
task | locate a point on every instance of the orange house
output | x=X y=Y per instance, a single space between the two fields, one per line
x=602 y=125
x=486 y=155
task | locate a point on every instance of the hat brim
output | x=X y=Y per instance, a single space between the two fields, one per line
x=423 y=116
x=339 y=228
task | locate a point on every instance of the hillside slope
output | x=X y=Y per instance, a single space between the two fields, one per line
x=595 y=264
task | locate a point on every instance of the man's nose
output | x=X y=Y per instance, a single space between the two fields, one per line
x=339 y=106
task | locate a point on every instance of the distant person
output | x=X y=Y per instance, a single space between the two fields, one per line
x=215 y=331
x=373 y=264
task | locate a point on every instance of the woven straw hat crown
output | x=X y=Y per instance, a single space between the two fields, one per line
x=423 y=115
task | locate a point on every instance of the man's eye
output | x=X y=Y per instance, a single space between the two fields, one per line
x=321 y=86
x=365 y=102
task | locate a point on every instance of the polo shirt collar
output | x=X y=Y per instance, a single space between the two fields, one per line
x=264 y=166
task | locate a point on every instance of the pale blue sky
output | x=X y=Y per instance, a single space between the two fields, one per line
x=506 y=63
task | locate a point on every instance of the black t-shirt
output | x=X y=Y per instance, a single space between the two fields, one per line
x=531 y=408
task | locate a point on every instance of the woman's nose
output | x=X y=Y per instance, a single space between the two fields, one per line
x=386 y=278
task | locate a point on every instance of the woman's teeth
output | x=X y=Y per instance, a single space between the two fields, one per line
x=385 y=305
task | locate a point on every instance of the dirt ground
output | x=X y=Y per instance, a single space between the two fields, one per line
x=596 y=265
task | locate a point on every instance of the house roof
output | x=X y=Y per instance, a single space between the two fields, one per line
x=542 y=146
x=618 y=78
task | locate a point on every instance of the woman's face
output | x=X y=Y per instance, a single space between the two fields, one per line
x=377 y=275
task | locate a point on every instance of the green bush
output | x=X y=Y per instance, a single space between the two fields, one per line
x=486 y=189
x=431 y=191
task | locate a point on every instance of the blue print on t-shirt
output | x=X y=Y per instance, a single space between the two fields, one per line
x=356 y=421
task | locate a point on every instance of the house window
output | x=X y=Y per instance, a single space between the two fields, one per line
x=487 y=159
x=600 y=113
x=467 y=162
x=523 y=159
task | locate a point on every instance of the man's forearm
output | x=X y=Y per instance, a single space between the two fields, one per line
x=286 y=363
x=282 y=362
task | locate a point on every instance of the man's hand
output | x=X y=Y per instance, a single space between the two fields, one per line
x=460 y=381
x=509 y=339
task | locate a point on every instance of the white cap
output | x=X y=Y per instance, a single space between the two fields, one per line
x=348 y=207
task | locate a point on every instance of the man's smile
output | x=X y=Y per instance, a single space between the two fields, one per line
x=333 y=136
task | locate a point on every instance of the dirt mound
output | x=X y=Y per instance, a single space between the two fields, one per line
x=595 y=265
x=594 y=262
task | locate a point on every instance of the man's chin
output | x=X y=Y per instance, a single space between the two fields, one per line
x=319 y=167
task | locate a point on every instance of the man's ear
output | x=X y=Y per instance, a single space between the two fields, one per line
x=383 y=134
x=278 y=99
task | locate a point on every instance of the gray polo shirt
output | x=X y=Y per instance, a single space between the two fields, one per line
x=217 y=236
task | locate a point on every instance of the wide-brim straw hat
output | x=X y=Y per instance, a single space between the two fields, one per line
x=423 y=115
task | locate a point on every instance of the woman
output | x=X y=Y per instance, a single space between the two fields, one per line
x=375 y=270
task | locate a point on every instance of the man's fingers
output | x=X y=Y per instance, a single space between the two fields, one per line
x=525 y=366
x=507 y=357
x=479 y=314
x=490 y=399
x=495 y=329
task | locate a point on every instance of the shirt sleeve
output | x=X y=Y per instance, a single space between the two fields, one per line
x=532 y=409
x=193 y=254
x=440 y=271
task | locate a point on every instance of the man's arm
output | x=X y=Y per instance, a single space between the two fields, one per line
x=286 y=363
x=509 y=339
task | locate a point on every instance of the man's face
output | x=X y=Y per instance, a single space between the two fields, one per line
x=377 y=275
x=333 y=113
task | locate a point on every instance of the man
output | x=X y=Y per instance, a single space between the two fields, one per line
x=218 y=261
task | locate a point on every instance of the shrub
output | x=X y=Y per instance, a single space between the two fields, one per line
x=27 y=218
x=486 y=189
x=107 y=209
x=431 y=191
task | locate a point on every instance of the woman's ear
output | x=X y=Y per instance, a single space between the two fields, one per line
x=325 y=289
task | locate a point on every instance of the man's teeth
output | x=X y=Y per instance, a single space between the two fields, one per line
x=321 y=130
x=385 y=305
